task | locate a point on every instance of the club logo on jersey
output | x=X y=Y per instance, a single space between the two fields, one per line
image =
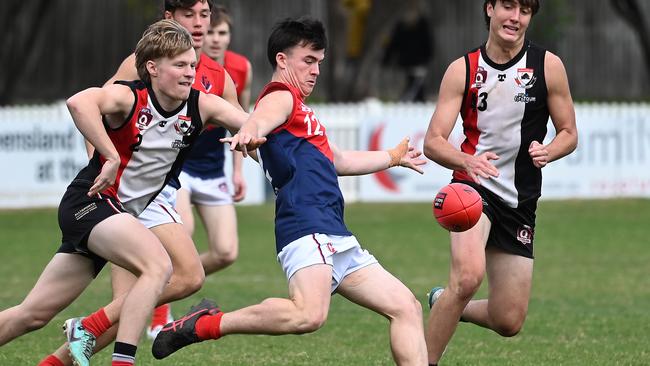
x=184 y=126
x=144 y=118
x=480 y=78
x=525 y=78
x=525 y=234
x=207 y=85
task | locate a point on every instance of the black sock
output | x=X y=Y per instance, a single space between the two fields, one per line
x=124 y=352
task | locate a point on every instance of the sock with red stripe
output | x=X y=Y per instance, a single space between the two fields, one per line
x=209 y=326
x=51 y=360
x=96 y=323
x=124 y=354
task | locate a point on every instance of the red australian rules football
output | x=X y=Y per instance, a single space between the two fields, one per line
x=457 y=207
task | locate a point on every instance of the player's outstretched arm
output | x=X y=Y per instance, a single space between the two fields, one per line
x=436 y=145
x=87 y=108
x=271 y=112
x=560 y=106
x=365 y=162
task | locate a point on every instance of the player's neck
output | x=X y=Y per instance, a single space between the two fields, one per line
x=198 y=54
x=502 y=52
x=164 y=100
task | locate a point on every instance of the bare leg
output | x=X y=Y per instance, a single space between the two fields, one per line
x=465 y=277
x=376 y=289
x=510 y=277
x=62 y=281
x=135 y=248
x=305 y=311
x=184 y=208
x=221 y=224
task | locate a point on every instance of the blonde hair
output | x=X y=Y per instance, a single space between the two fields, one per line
x=164 y=38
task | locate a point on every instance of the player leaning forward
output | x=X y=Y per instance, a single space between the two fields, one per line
x=148 y=127
x=505 y=92
x=317 y=252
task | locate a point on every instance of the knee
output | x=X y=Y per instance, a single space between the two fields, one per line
x=309 y=321
x=159 y=268
x=509 y=326
x=466 y=286
x=32 y=319
x=229 y=257
x=405 y=307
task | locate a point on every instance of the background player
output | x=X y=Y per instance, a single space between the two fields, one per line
x=505 y=91
x=317 y=252
x=203 y=180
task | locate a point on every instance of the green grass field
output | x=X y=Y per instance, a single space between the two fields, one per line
x=590 y=303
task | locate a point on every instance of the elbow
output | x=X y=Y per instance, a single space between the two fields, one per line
x=429 y=150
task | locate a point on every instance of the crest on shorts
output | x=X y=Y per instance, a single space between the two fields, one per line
x=525 y=234
x=184 y=126
x=144 y=118
x=525 y=78
x=207 y=84
x=480 y=78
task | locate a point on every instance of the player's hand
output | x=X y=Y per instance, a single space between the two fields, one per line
x=240 y=187
x=106 y=177
x=538 y=153
x=407 y=156
x=244 y=142
x=480 y=166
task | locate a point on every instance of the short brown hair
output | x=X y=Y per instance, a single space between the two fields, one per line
x=532 y=4
x=164 y=38
x=171 y=5
x=219 y=14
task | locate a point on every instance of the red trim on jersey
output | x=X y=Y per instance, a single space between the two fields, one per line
x=313 y=236
x=210 y=76
x=302 y=121
x=124 y=138
x=237 y=67
x=469 y=113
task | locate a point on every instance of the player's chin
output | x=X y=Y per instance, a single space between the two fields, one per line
x=183 y=91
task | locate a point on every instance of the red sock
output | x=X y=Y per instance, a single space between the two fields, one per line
x=209 y=326
x=160 y=315
x=96 y=323
x=51 y=360
x=121 y=363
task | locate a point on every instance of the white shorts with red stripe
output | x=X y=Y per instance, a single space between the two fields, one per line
x=343 y=253
x=161 y=210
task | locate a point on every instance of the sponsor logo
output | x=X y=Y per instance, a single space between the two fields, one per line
x=501 y=77
x=144 y=118
x=524 y=98
x=85 y=211
x=207 y=85
x=223 y=187
x=439 y=200
x=525 y=234
x=183 y=126
x=179 y=144
x=305 y=108
x=162 y=123
x=480 y=78
x=525 y=78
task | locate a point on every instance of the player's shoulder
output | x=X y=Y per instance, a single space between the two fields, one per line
x=209 y=64
x=236 y=61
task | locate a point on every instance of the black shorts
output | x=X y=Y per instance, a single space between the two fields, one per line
x=513 y=229
x=78 y=215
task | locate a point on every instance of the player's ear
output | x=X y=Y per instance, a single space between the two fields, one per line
x=152 y=68
x=168 y=15
x=281 y=59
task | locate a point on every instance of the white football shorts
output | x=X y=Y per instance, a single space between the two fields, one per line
x=206 y=192
x=161 y=210
x=343 y=253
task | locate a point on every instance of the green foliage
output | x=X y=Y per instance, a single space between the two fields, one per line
x=588 y=307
